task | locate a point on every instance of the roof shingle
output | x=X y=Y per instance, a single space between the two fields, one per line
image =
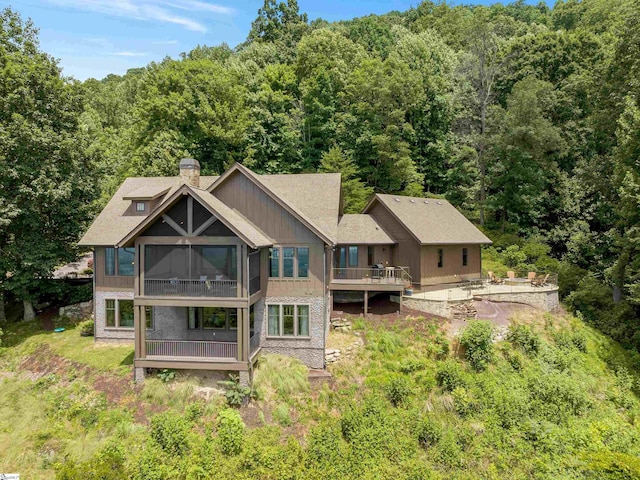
x=362 y=229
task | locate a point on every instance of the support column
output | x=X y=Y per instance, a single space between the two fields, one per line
x=240 y=335
x=366 y=302
x=139 y=328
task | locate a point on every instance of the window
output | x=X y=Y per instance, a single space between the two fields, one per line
x=370 y=255
x=303 y=320
x=148 y=316
x=123 y=258
x=288 y=321
x=274 y=320
x=119 y=313
x=274 y=262
x=287 y=262
x=440 y=258
x=353 y=256
x=140 y=206
x=292 y=261
x=465 y=257
x=303 y=262
x=212 y=318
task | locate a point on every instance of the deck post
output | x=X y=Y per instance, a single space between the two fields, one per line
x=240 y=335
x=366 y=302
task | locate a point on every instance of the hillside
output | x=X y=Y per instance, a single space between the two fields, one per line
x=556 y=400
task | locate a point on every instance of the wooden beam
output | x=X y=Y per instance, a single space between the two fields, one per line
x=161 y=240
x=209 y=364
x=190 y=215
x=239 y=335
x=190 y=302
x=174 y=225
x=366 y=302
x=204 y=226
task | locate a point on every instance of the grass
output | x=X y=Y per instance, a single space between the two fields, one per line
x=557 y=411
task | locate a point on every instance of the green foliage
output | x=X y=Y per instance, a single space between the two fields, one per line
x=171 y=432
x=230 y=428
x=281 y=415
x=398 y=390
x=450 y=376
x=281 y=376
x=429 y=432
x=523 y=337
x=477 y=340
x=108 y=464
x=86 y=328
x=166 y=375
x=235 y=393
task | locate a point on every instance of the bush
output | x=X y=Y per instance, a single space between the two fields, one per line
x=462 y=402
x=86 y=328
x=166 y=375
x=170 y=432
x=429 y=432
x=523 y=337
x=398 y=390
x=410 y=366
x=230 y=429
x=107 y=464
x=323 y=445
x=477 y=340
x=439 y=347
x=387 y=342
x=450 y=376
x=235 y=393
x=281 y=415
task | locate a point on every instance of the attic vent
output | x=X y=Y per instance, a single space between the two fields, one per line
x=439 y=203
x=427 y=202
x=397 y=199
x=412 y=201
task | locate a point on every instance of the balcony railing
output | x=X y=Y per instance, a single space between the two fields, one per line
x=189 y=348
x=191 y=288
x=384 y=275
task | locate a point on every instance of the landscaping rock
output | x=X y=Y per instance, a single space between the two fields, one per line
x=79 y=311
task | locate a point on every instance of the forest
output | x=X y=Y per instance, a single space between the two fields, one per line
x=526 y=117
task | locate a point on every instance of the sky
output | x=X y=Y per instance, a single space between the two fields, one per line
x=93 y=38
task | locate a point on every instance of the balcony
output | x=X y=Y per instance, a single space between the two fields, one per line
x=202 y=287
x=370 y=278
x=196 y=350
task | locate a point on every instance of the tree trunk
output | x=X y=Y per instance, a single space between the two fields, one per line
x=3 y=316
x=29 y=312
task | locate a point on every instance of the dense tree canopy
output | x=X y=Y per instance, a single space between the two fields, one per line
x=524 y=116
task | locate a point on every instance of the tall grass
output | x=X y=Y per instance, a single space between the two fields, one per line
x=279 y=376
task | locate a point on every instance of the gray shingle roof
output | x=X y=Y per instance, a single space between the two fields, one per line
x=431 y=221
x=362 y=229
x=111 y=225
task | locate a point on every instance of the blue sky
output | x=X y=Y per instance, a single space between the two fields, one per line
x=93 y=38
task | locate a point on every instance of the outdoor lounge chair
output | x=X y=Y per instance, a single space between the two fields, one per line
x=495 y=280
x=531 y=276
x=511 y=274
x=540 y=281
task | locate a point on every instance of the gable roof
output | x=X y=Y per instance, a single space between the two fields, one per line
x=236 y=222
x=362 y=229
x=431 y=221
x=147 y=192
x=303 y=190
x=111 y=225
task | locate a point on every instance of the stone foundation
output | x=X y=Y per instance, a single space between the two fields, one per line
x=101 y=331
x=138 y=375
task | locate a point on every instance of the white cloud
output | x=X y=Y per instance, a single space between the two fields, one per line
x=149 y=10
x=165 y=42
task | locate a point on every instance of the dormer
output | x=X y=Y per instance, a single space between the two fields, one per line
x=144 y=199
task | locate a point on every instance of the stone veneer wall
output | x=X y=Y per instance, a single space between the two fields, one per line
x=101 y=331
x=547 y=301
x=309 y=351
x=170 y=323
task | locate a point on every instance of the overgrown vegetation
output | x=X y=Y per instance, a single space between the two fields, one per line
x=554 y=399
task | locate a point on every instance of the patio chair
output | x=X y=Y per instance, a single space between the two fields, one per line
x=511 y=274
x=540 y=281
x=531 y=276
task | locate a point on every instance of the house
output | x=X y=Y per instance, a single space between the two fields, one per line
x=208 y=272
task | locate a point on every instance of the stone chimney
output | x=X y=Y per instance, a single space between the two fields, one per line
x=190 y=172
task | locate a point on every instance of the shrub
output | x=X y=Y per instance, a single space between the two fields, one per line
x=166 y=375
x=368 y=429
x=387 y=342
x=107 y=464
x=429 y=432
x=235 y=393
x=477 y=340
x=410 y=366
x=515 y=359
x=462 y=401
x=398 y=390
x=579 y=340
x=439 y=347
x=230 y=429
x=86 y=328
x=323 y=444
x=194 y=411
x=523 y=337
x=170 y=432
x=281 y=415
x=450 y=376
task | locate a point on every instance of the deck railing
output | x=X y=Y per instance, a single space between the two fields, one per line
x=385 y=275
x=191 y=288
x=191 y=348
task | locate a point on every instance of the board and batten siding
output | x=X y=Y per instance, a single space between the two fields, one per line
x=242 y=194
x=407 y=251
x=452 y=269
x=108 y=282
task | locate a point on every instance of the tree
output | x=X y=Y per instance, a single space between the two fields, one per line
x=279 y=22
x=354 y=192
x=47 y=184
